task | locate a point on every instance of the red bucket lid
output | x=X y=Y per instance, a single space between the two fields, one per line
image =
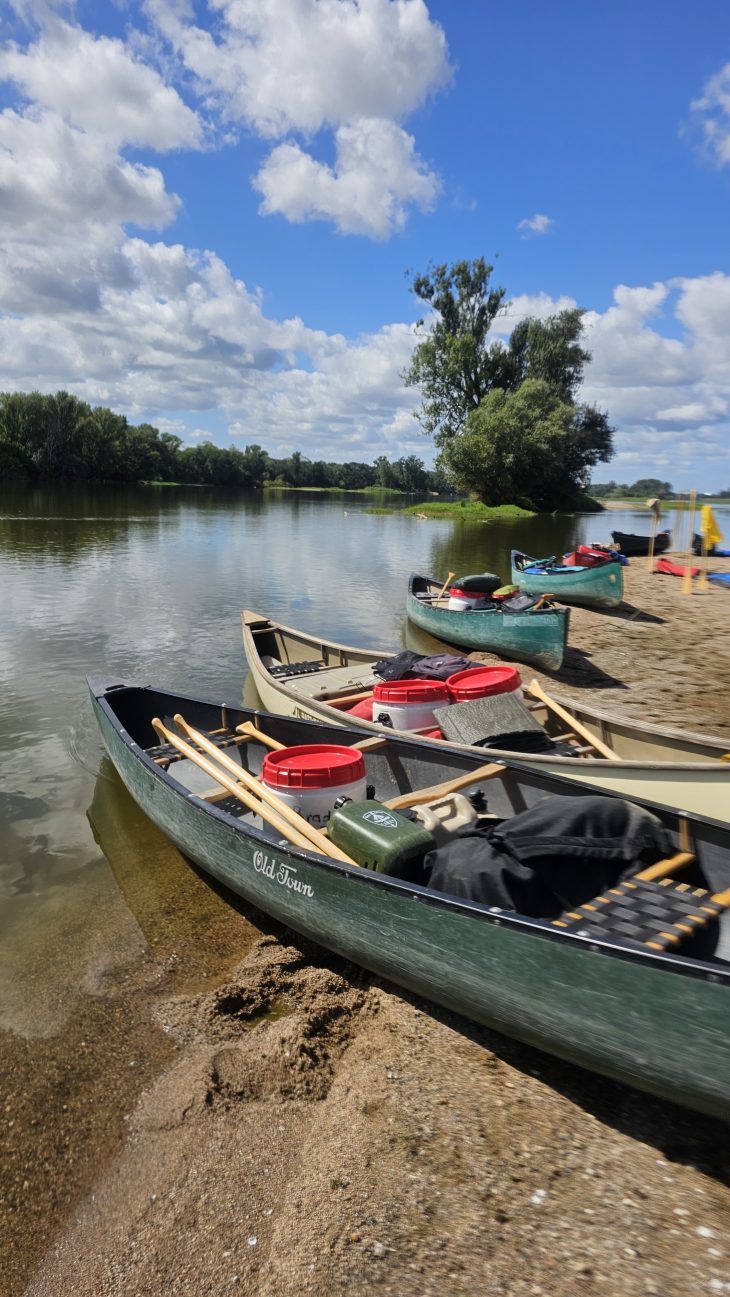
x=402 y=692
x=313 y=765
x=464 y=594
x=481 y=682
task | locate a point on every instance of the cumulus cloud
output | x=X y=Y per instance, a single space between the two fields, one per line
x=377 y=173
x=712 y=116
x=96 y=85
x=537 y=224
x=299 y=67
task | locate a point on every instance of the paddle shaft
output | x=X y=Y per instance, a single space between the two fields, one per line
x=449 y=578
x=296 y=837
x=251 y=730
x=422 y=795
x=535 y=690
x=317 y=838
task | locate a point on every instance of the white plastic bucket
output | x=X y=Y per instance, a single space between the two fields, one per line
x=409 y=704
x=311 y=777
x=460 y=600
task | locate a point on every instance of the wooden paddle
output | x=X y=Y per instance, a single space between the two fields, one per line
x=250 y=729
x=598 y=745
x=296 y=837
x=347 y=700
x=316 y=837
x=449 y=578
x=422 y=795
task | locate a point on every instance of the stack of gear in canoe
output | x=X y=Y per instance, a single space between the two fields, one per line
x=454 y=698
x=484 y=591
x=545 y=862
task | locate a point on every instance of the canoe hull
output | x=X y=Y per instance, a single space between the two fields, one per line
x=538 y=637
x=594 y=587
x=638 y=546
x=624 y=1017
x=673 y=767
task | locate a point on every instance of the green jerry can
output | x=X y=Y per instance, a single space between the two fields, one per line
x=379 y=838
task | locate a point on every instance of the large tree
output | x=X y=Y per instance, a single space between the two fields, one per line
x=461 y=369
x=529 y=446
x=453 y=364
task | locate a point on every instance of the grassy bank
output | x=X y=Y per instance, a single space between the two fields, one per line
x=467 y=510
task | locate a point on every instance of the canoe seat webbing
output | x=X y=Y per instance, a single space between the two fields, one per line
x=163 y=753
x=287 y=669
x=659 y=915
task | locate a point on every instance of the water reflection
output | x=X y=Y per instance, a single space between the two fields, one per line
x=179 y=913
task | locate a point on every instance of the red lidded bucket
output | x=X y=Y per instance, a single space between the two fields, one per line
x=312 y=776
x=483 y=682
x=409 y=704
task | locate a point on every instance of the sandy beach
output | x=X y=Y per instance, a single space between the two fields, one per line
x=300 y=1127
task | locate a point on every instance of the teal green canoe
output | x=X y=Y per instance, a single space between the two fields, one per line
x=598 y=587
x=538 y=635
x=656 y=1018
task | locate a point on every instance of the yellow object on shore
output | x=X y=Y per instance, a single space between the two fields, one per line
x=708 y=527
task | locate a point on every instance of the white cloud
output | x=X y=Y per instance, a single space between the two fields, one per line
x=524 y=305
x=537 y=224
x=354 y=67
x=377 y=173
x=305 y=64
x=712 y=115
x=93 y=83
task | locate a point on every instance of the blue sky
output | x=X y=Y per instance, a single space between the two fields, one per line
x=208 y=209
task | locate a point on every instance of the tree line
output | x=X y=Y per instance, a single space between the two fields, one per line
x=649 y=487
x=61 y=437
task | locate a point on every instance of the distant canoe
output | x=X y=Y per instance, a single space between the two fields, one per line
x=538 y=635
x=601 y=586
x=638 y=545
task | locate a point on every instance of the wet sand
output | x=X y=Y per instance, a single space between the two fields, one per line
x=293 y=1125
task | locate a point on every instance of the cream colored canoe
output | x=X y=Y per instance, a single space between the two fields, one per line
x=296 y=674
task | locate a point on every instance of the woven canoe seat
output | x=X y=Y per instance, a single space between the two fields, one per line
x=165 y=752
x=659 y=915
x=285 y=670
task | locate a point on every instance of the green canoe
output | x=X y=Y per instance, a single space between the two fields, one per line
x=619 y=1006
x=538 y=635
x=599 y=587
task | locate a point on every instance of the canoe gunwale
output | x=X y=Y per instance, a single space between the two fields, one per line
x=360 y=876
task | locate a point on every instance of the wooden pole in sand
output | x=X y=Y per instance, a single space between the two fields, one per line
x=656 y=508
x=687 y=578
